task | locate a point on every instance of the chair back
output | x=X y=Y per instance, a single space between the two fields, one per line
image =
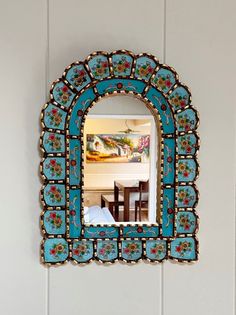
x=143 y=188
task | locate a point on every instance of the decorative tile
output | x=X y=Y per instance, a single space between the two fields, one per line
x=78 y=77
x=145 y=67
x=101 y=232
x=186 y=222
x=62 y=94
x=53 y=142
x=110 y=86
x=54 y=168
x=54 y=117
x=169 y=161
x=187 y=144
x=75 y=213
x=107 y=250
x=75 y=166
x=184 y=249
x=54 y=222
x=160 y=102
x=187 y=170
x=55 y=250
x=156 y=250
x=180 y=98
x=186 y=197
x=82 y=251
x=141 y=231
x=99 y=67
x=54 y=195
x=122 y=64
x=131 y=250
x=168 y=211
x=164 y=80
x=186 y=120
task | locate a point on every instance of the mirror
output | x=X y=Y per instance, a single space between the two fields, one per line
x=120 y=158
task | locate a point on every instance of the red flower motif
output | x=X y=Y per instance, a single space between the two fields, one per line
x=169 y=159
x=64 y=89
x=127 y=64
x=119 y=85
x=153 y=250
x=52 y=251
x=54 y=111
x=73 y=162
x=185 y=174
x=139 y=229
x=163 y=107
x=187 y=227
x=168 y=83
x=182 y=103
x=81 y=73
x=53 y=188
x=170 y=210
x=150 y=69
x=104 y=64
x=186 y=201
x=72 y=213
x=178 y=249
x=53 y=162
x=126 y=251
x=102 y=233
x=80 y=112
x=51 y=137
x=76 y=252
x=188 y=149
x=187 y=127
x=53 y=215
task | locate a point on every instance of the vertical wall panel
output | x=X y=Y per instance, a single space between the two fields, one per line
x=76 y=29
x=22 y=80
x=201 y=47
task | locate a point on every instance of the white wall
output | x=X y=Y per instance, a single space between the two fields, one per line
x=38 y=40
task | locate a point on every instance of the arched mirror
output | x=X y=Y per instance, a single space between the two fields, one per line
x=119 y=147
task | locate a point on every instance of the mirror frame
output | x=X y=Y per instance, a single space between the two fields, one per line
x=83 y=84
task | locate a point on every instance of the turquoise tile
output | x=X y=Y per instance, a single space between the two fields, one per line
x=101 y=232
x=180 y=98
x=144 y=68
x=187 y=170
x=78 y=77
x=75 y=160
x=107 y=250
x=141 y=231
x=186 y=222
x=131 y=250
x=183 y=248
x=55 y=250
x=127 y=85
x=62 y=94
x=54 y=168
x=186 y=196
x=187 y=144
x=54 y=117
x=122 y=64
x=82 y=251
x=156 y=250
x=99 y=67
x=54 y=222
x=75 y=213
x=186 y=120
x=164 y=80
x=54 y=195
x=53 y=142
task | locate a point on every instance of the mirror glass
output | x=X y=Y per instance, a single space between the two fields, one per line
x=120 y=162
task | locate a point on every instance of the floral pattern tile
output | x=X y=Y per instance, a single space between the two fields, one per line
x=54 y=195
x=107 y=250
x=54 y=168
x=145 y=67
x=187 y=170
x=122 y=64
x=101 y=232
x=54 y=222
x=180 y=98
x=164 y=79
x=131 y=250
x=78 y=77
x=53 y=142
x=62 y=94
x=55 y=250
x=75 y=167
x=183 y=248
x=169 y=161
x=54 y=117
x=186 y=222
x=110 y=86
x=168 y=211
x=156 y=250
x=141 y=231
x=186 y=120
x=186 y=196
x=82 y=251
x=187 y=144
x=99 y=67
x=75 y=213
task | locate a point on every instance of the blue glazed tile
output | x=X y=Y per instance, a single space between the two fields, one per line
x=144 y=68
x=83 y=102
x=183 y=248
x=82 y=251
x=186 y=120
x=54 y=117
x=122 y=64
x=187 y=169
x=186 y=197
x=62 y=94
x=55 y=250
x=131 y=250
x=101 y=232
x=107 y=250
x=53 y=142
x=78 y=77
x=54 y=195
x=186 y=222
x=169 y=161
x=99 y=67
x=168 y=212
x=159 y=101
x=164 y=79
x=75 y=213
x=75 y=155
x=187 y=144
x=54 y=168
x=156 y=249
x=54 y=222
x=112 y=85
x=179 y=98
x=140 y=231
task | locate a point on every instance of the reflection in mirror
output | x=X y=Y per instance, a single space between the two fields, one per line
x=120 y=158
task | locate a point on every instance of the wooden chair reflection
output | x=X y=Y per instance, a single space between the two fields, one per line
x=142 y=202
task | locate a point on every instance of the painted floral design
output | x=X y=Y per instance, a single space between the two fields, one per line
x=107 y=249
x=162 y=82
x=55 y=117
x=185 y=221
x=63 y=94
x=122 y=66
x=55 y=194
x=78 y=77
x=178 y=100
x=131 y=249
x=158 y=250
x=184 y=196
x=100 y=68
x=183 y=247
x=58 y=249
x=184 y=122
x=55 y=167
x=184 y=169
x=144 y=70
x=54 y=142
x=186 y=144
x=55 y=220
x=81 y=249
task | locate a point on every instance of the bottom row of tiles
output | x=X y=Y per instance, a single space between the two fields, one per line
x=57 y=250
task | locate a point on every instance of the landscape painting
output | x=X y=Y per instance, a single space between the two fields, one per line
x=117 y=148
